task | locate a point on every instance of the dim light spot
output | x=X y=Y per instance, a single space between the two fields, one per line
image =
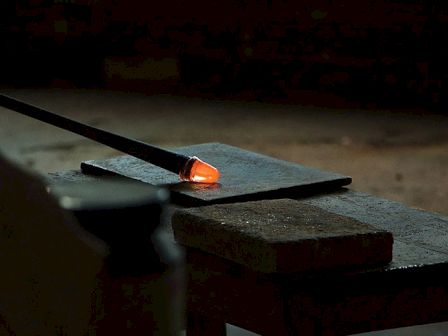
x=318 y=14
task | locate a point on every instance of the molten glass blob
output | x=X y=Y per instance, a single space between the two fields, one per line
x=196 y=170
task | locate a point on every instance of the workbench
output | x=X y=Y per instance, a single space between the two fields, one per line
x=411 y=289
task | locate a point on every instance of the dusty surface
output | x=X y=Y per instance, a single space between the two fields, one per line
x=244 y=175
x=282 y=236
x=400 y=156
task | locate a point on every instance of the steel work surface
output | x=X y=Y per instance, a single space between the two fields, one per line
x=244 y=175
x=411 y=290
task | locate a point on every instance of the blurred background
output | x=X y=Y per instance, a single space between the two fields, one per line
x=355 y=87
x=378 y=53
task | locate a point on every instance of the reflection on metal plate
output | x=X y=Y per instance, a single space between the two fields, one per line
x=245 y=176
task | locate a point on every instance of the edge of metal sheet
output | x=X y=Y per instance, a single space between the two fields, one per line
x=276 y=178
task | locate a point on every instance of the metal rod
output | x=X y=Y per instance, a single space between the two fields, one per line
x=165 y=159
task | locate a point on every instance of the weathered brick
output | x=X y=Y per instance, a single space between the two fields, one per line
x=282 y=236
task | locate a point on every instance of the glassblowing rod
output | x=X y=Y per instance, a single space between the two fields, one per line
x=189 y=168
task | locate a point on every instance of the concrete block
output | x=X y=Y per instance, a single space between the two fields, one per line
x=282 y=236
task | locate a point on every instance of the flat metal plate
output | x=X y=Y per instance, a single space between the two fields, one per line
x=245 y=176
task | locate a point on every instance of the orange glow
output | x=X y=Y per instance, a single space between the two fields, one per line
x=197 y=170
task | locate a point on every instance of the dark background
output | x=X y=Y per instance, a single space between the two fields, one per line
x=385 y=53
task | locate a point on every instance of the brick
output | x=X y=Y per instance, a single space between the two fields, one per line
x=282 y=236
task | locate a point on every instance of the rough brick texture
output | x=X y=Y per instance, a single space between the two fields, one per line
x=282 y=236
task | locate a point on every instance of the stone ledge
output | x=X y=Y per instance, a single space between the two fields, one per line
x=282 y=236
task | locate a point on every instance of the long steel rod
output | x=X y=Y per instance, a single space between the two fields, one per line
x=165 y=159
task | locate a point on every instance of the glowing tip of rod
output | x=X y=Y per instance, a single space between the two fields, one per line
x=197 y=170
